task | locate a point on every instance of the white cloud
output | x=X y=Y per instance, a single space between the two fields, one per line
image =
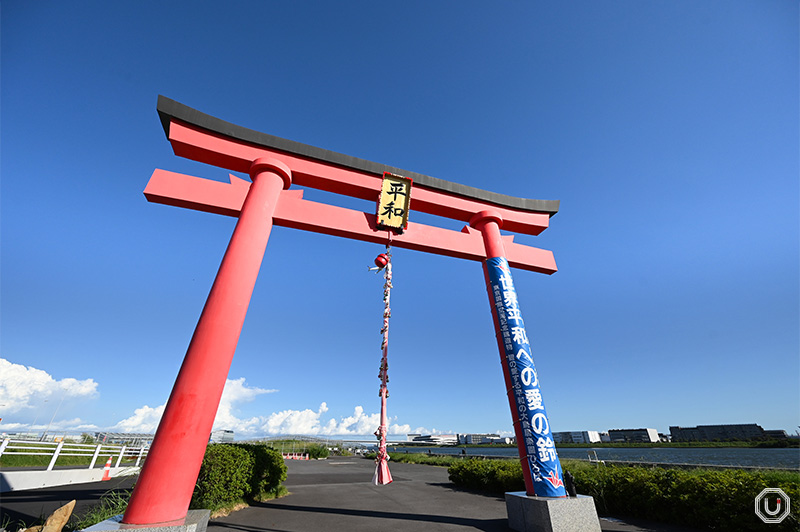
x=295 y=421
x=361 y=423
x=71 y=425
x=308 y=422
x=13 y=427
x=53 y=429
x=236 y=392
x=24 y=387
x=144 y=419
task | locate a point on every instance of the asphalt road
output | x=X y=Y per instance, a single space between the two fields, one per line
x=334 y=495
x=33 y=506
x=337 y=495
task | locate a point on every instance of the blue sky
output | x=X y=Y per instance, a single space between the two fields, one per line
x=668 y=130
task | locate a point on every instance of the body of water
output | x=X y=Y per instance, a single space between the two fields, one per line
x=721 y=456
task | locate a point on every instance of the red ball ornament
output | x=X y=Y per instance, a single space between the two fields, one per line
x=382 y=260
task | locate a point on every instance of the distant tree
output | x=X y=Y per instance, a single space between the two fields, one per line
x=87 y=438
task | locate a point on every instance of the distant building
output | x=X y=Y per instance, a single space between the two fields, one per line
x=749 y=431
x=633 y=435
x=127 y=438
x=776 y=434
x=605 y=438
x=434 y=439
x=221 y=436
x=472 y=439
x=23 y=435
x=585 y=436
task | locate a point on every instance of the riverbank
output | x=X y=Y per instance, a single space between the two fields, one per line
x=791 y=443
x=767 y=444
x=726 y=457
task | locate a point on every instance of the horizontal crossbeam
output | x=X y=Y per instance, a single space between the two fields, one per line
x=293 y=211
x=200 y=145
x=171 y=112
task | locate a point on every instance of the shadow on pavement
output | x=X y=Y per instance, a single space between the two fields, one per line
x=30 y=507
x=486 y=525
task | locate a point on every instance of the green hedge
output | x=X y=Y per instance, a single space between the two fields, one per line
x=316 y=450
x=710 y=499
x=269 y=469
x=420 y=458
x=233 y=473
x=492 y=476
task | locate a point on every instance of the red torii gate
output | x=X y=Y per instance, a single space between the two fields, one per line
x=168 y=477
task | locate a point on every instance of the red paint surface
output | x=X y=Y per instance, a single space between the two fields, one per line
x=199 y=145
x=165 y=486
x=293 y=211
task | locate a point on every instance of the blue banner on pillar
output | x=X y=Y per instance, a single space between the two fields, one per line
x=541 y=450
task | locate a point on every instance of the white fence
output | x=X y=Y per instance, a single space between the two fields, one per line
x=55 y=450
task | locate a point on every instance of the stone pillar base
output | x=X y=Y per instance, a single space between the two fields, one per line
x=546 y=514
x=195 y=521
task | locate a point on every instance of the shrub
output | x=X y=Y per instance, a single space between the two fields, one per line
x=316 y=450
x=710 y=499
x=420 y=458
x=713 y=499
x=491 y=476
x=225 y=477
x=234 y=473
x=269 y=470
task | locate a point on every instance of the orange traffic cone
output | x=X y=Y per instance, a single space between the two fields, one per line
x=107 y=471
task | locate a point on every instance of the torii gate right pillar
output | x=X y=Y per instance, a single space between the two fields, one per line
x=541 y=467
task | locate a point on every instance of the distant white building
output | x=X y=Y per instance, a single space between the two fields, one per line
x=471 y=439
x=124 y=438
x=584 y=436
x=634 y=435
x=434 y=439
x=221 y=436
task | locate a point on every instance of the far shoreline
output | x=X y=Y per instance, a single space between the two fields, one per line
x=791 y=443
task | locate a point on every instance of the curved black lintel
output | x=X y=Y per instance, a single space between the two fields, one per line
x=169 y=109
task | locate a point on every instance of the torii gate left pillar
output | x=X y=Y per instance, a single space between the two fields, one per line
x=166 y=483
x=195 y=397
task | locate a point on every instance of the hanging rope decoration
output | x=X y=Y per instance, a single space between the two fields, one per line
x=384 y=262
x=392 y=215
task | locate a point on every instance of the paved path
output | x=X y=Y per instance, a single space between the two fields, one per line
x=30 y=506
x=336 y=495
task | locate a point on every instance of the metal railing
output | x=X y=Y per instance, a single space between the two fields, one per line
x=62 y=448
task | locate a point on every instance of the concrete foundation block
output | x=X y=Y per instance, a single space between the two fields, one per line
x=195 y=521
x=546 y=514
